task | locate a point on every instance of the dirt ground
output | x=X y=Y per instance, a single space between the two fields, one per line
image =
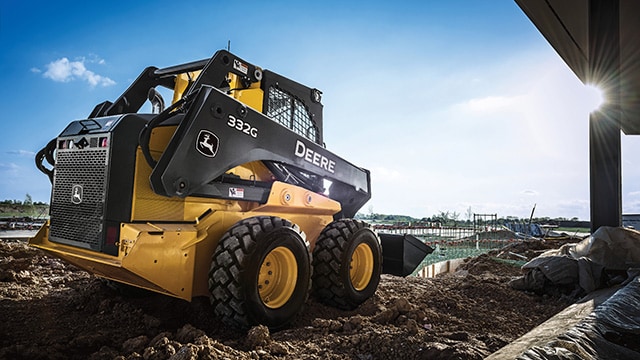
x=50 y=310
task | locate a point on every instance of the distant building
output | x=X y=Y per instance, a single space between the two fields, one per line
x=631 y=221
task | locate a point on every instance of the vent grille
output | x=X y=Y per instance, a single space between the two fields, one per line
x=78 y=198
x=292 y=113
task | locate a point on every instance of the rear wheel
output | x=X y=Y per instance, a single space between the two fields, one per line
x=260 y=273
x=347 y=263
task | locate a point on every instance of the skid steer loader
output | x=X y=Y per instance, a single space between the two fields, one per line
x=227 y=193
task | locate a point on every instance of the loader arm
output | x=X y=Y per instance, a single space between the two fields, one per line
x=219 y=133
x=214 y=72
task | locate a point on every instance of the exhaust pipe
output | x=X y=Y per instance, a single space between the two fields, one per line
x=157 y=102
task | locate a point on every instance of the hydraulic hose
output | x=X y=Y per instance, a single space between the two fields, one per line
x=46 y=153
x=294 y=176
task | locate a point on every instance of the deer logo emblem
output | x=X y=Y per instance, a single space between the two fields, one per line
x=76 y=194
x=207 y=143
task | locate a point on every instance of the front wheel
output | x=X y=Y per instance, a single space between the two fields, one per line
x=347 y=263
x=260 y=273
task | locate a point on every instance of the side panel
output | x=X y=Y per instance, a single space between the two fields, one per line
x=160 y=255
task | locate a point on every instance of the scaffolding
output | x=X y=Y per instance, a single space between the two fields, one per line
x=486 y=222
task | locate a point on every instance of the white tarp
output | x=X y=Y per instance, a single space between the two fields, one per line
x=611 y=332
x=597 y=261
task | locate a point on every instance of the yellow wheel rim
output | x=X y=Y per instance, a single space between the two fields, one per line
x=361 y=267
x=277 y=277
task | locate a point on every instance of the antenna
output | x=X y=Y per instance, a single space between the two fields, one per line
x=229 y=45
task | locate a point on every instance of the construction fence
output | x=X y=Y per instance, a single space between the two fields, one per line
x=455 y=242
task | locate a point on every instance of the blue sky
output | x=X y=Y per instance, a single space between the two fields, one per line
x=451 y=104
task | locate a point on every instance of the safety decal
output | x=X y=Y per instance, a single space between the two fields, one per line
x=235 y=192
x=207 y=143
x=238 y=65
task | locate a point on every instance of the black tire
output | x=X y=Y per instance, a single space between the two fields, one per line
x=335 y=281
x=264 y=249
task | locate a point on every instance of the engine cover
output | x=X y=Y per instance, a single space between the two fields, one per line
x=93 y=181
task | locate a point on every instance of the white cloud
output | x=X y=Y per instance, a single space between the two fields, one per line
x=35 y=70
x=9 y=168
x=63 y=70
x=21 y=152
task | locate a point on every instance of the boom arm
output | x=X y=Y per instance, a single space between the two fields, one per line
x=219 y=133
x=214 y=72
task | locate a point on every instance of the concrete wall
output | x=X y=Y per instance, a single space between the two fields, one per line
x=441 y=267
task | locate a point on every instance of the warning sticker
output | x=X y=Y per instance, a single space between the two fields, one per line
x=238 y=65
x=235 y=192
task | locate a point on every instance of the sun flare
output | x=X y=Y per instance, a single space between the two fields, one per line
x=593 y=97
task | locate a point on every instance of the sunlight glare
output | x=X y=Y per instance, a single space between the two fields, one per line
x=594 y=98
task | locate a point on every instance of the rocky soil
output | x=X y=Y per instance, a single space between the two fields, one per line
x=50 y=310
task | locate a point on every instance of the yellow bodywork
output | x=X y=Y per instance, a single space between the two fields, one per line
x=251 y=96
x=168 y=243
x=175 y=258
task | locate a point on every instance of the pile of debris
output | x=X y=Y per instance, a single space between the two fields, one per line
x=55 y=311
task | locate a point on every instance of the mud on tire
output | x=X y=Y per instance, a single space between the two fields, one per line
x=347 y=262
x=260 y=273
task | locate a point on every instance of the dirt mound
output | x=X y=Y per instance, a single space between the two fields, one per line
x=51 y=310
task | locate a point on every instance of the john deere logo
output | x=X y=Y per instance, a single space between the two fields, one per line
x=76 y=194
x=207 y=143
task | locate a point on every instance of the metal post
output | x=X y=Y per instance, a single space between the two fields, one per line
x=605 y=152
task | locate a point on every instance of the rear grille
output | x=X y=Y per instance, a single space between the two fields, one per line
x=78 y=198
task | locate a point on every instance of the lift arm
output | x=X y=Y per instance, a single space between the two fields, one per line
x=219 y=133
